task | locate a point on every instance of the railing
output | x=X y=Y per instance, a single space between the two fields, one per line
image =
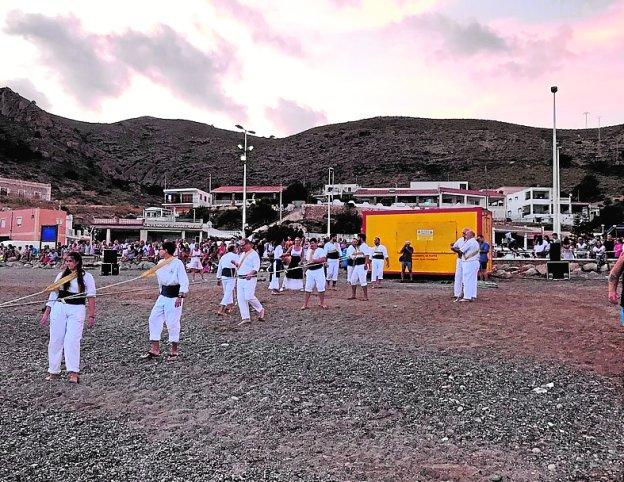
x=122 y=222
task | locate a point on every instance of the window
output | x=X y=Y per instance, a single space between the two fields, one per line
x=527 y=195
x=4 y=191
x=2 y=223
x=59 y=221
x=18 y=221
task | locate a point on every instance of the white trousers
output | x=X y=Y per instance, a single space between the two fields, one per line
x=246 y=295
x=228 y=285
x=349 y=273
x=358 y=275
x=332 y=269
x=378 y=269
x=275 y=278
x=66 y=325
x=457 y=285
x=164 y=311
x=315 y=278
x=470 y=269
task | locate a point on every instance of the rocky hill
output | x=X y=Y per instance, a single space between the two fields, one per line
x=129 y=161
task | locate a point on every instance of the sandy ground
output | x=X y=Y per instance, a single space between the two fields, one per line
x=406 y=386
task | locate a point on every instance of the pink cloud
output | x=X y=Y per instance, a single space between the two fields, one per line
x=290 y=117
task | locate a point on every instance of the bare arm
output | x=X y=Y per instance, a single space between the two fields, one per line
x=614 y=278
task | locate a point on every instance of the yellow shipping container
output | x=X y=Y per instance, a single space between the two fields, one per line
x=430 y=232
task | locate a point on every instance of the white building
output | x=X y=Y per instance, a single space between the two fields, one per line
x=340 y=189
x=185 y=199
x=534 y=205
x=438 y=184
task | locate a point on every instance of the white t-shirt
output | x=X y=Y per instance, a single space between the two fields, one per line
x=381 y=249
x=174 y=273
x=470 y=250
x=278 y=251
x=226 y=261
x=73 y=287
x=249 y=261
x=318 y=253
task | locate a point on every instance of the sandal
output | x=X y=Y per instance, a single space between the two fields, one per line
x=150 y=356
x=172 y=356
x=53 y=376
x=73 y=378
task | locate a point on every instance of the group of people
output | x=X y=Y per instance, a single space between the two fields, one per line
x=472 y=259
x=598 y=247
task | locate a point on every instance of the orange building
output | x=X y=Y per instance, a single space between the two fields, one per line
x=34 y=226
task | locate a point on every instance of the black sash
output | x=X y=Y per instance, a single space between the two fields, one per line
x=72 y=301
x=378 y=256
x=170 y=291
x=228 y=272
x=333 y=255
x=315 y=266
x=350 y=262
x=360 y=261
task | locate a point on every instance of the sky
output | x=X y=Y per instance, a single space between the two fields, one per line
x=283 y=66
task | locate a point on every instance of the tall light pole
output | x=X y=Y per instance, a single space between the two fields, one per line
x=245 y=149
x=585 y=114
x=555 y=200
x=330 y=175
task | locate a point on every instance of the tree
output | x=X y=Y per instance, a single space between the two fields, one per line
x=229 y=219
x=347 y=221
x=261 y=212
x=611 y=214
x=280 y=232
x=296 y=191
x=588 y=189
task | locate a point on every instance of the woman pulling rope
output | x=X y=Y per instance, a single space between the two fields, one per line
x=67 y=316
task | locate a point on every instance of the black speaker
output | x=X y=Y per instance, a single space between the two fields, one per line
x=115 y=270
x=555 y=252
x=106 y=269
x=558 y=269
x=110 y=256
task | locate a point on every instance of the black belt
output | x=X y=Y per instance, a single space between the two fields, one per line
x=378 y=256
x=71 y=301
x=228 y=272
x=315 y=266
x=244 y=276
x=170 y=291
x=359 y=261
x=349 y=262
x=333 y=255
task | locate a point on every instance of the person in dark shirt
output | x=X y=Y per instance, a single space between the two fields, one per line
x=407 y=252
x=484 y=252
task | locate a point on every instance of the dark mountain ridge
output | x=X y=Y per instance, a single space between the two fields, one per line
x=130 y=161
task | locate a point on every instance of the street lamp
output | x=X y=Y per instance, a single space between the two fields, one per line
x=243 y=147
x=555 y=195
x=330 y=182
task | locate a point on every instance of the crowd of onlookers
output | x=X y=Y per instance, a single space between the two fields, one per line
x=599 y=248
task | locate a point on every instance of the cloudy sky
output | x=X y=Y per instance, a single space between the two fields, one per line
x=282 y=66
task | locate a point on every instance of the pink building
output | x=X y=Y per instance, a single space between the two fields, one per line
x=25 y=189
x=34 y=226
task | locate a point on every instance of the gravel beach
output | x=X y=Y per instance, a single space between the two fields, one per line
x=525 y=384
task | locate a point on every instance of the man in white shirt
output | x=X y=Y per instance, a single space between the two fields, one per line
x=248 y=266
x=380 y=258
x=332 y=251
x=226 y=277
x=470 y=266
x=173 y=283
x=361 y=263
x=315 y=276
x=456 y=248
x=351 y=249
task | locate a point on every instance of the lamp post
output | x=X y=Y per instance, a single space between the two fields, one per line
x=555 y=195
x=330 y=175
x=245 y=149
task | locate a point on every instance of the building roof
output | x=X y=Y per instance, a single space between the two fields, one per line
x=183 y=189
x=406 y=191
x=250 y=189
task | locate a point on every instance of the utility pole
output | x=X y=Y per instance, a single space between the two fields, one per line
x=585 y=114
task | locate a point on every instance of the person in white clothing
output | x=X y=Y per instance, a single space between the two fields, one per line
x=226 y=278
x=332 y=249
x=470 y=266
x=173 y=285
x=248 y=266
x=195 y=265
x=361 y=263
x=66 y=314
x=456 y=248
x=315 y=277
x=351 y=249
x=379 y=260
x=277 y=269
